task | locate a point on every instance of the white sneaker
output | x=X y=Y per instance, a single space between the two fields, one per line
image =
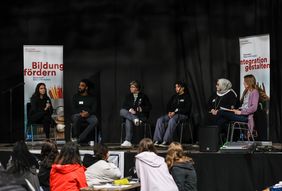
x=74 y=140
x=126 y=144
x=137 y=122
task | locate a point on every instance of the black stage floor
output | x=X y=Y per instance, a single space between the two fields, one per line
x=216 y=171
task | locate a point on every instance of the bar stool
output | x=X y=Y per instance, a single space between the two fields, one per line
x=146 y=126
x=242 y=127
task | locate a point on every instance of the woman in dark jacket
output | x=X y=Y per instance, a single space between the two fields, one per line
x=41 y=108
x=181 y=168
x=49 y=152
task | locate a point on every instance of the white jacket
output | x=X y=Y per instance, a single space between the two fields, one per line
x=153 y=173
x=102 y=172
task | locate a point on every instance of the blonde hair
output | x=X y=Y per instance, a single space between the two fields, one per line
x=175 y=153
x=250 y=80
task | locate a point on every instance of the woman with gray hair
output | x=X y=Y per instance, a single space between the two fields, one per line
x=224 y=97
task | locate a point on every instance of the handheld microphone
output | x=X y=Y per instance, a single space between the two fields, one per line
x=48 y=102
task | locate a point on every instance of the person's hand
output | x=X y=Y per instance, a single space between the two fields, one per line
x=171 y=114
x=84 y=114
x=214 y=111
x=132 y=111
x=139 y=109
x=237 y=111
x=48 y=105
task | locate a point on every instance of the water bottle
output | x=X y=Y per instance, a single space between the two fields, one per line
x=241 y=136
x=28 y=137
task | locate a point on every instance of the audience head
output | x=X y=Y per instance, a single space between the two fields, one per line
x=83 y=86
x=250 y=82
x=69 y=154
x=49 y=152
x=180 y=87
x=22 y=159
x=40 y=90
x=146 y=144
x=101 y=152
x=175 y=153
x=134 y=86
x=223 y=85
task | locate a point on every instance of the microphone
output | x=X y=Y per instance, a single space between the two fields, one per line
x=48 y=102
x=139 y=101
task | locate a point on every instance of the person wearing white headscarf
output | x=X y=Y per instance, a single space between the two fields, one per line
x=223 y=87
x=224 y=97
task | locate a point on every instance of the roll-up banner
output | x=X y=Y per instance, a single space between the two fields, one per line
x=44 y=63
x=255 y=59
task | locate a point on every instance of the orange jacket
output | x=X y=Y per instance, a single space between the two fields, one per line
x=67 y=177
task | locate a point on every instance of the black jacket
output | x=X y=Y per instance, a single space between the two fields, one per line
x=89 y=159
x=184 y=176
x=87 y=103
x=44 y=177
x=228 y=100
x=141 y=101
x=180 y=104
x=8 y=182
x=36 y=110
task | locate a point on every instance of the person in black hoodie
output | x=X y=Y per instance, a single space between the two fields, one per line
x=181 y=168
x=178 y=108
x=135 y=109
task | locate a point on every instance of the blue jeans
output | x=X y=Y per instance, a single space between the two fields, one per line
x=166 y=134
x=129 y=118
x=91 y=120
x=226 y=116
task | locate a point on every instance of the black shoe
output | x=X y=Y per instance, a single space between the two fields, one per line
x=164 y=144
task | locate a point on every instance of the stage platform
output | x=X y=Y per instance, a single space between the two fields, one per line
x=216 y=171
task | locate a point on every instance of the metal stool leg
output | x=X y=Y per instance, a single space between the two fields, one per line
x=96 y=135
x=232 y=132
x=191 y=132
x=150 y=131
x=121 y=132
x=145 y=130
x=31 y=126
x=181 y=132
x=228 y=138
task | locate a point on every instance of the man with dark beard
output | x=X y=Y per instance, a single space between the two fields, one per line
x=85 y=111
